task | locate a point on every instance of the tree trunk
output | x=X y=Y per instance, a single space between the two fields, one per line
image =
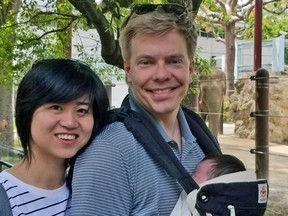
x=8 y=12
x=6 y=136
x=230 y=56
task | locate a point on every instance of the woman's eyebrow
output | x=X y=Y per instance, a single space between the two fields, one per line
x=85 y=101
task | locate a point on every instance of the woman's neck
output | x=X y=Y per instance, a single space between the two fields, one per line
x=43 y=175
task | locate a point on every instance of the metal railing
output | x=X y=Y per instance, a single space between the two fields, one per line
x=9 y=156
x=4 y=164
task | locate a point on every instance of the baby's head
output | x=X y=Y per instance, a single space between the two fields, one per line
x=215 y=165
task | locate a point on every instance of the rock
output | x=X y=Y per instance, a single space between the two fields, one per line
x=243 y=103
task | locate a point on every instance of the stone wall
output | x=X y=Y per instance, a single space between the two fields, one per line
x=243 y=103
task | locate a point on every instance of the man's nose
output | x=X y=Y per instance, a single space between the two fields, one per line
x=161 y=72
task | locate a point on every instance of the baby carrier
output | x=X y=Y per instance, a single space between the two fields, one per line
x=240 y=198
x=232 y=194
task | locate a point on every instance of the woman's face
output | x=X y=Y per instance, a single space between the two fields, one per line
x=60 y=130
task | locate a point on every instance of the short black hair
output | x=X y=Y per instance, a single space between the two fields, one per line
x=60 y=81
x=224 y=164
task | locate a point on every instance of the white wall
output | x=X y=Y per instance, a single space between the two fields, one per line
x=210 y=47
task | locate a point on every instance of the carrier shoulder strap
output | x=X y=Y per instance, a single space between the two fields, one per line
x=202 y=133
x=205 y=139
x=5 y=204
x=146 y=133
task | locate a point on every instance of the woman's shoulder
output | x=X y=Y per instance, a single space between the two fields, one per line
x=4 y=177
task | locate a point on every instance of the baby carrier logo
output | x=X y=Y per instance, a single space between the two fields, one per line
x=262 y=193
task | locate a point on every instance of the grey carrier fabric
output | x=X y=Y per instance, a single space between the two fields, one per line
x=5 y=207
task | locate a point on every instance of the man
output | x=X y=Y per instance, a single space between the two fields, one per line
x=115 y=175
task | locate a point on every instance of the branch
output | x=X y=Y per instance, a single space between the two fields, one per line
x=249 y=6
x=109 y=5
x=249 y=2
x=6 y=8
x=215 y=16
x=265 y=2
x=110 y=49
x=65 y=28
x=233 y=4
x=222 y=5
x=66 y=17
x=278 y=12
x=70 y=16
x=219 y=39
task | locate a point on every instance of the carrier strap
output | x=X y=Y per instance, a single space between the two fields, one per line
x=147 y=134
x=202 y=133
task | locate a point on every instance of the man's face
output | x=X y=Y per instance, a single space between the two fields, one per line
x=159 y=72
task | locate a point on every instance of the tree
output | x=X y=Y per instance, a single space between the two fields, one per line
x=108 y=30
x=226 y=13
x=43 y=26
x=272 y=25
x=17 y=47
x=8 y=12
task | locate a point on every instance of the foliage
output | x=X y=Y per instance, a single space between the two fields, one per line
x=43 y=29
x=5 y=57
x=201 y=66
x=272 y=25
x=105 y=71
x=32 y=35
x=227 y=118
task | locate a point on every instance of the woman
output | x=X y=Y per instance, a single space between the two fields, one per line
x=60 y=106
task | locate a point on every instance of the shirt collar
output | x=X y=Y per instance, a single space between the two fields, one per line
x=185 y=131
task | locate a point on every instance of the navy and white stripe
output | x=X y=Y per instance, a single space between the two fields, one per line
x=116 y=176
x=26 y=199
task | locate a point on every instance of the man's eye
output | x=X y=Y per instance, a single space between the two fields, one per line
x=144 y=62
x=175 y=61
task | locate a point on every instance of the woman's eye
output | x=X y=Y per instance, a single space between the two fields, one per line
x=83 y=111
x=56 y=107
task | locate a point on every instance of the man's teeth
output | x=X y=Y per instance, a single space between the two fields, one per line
x=66 y=136
x=161 y=91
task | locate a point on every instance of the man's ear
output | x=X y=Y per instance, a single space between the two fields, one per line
x=191 y=70
x=127 y=69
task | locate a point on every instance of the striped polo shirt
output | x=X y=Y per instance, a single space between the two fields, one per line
x=116 y=176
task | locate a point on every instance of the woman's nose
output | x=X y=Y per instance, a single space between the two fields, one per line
x=69 y=120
